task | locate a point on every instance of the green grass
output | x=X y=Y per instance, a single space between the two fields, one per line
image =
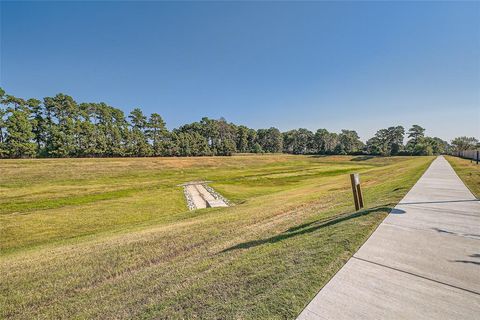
x=111 y=238
x=468 y=171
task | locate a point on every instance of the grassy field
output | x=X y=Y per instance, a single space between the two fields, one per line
x=468 y=171
x=112 y=238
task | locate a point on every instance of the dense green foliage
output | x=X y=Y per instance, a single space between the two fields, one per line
x=465 y=143
x=60 y=127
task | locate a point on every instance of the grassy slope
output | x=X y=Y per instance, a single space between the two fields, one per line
x=110 y=238
x=468 y=171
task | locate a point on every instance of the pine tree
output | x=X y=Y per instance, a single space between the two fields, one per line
x=139 y=143
x=242 y=139
x=38 y=123
x=18 y=142
x=61 y=115
x=349 y=142
x=156 y=132
x=416 y=134
x=271 y=140
x=3 y=113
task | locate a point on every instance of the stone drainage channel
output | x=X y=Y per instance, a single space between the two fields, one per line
x=199 y=196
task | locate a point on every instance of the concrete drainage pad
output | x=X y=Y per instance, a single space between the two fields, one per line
x=199 y=196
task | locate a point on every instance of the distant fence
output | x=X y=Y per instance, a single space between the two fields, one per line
x=468 y=154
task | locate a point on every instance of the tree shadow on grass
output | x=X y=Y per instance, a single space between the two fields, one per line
x=362 y=158
x=318 y=155
x=310 y=227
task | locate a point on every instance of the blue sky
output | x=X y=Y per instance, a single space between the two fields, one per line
x=333 y=65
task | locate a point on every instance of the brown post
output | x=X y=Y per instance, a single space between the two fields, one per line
x=355 y=191
x=360 y=195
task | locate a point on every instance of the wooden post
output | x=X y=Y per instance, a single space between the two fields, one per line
x=477 y=155
x=359 y=194
x=355 y=191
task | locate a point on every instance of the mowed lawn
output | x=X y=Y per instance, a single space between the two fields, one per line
x=468 y=171
x=112 y=238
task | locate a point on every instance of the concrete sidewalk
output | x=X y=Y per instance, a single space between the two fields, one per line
x=422 y=262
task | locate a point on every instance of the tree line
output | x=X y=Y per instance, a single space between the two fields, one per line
x=60 y=127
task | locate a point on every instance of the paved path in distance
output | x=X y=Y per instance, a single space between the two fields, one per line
x=422 y=262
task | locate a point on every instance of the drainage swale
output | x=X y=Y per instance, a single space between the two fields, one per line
x=199 y=195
